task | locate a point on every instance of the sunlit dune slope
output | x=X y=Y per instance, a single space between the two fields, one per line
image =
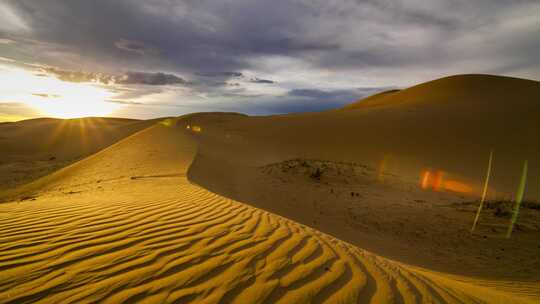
x=36 y=147
x=475 y=89
x=125 y=225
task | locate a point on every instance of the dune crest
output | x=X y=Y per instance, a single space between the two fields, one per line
x=37 y=147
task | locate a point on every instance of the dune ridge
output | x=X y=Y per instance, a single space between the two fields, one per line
x=37 y=147
x=480 y=89
x=95 y=234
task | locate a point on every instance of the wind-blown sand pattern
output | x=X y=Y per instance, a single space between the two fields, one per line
x=95 y=234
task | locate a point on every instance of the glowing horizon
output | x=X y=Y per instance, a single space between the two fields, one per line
x=53 y=97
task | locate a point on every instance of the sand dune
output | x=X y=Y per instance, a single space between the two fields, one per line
x=449 y=124
x=36 y=147
x=98 y=232
x=332 y=212
x=444 y=129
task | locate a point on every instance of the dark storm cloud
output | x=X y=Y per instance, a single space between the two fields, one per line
x=210 y=36
x=191 y=35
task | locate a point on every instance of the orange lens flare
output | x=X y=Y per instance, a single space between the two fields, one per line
x=435 y=180
x=438 y=180
x=456 y=186
x=426 y=176
x=382 y=168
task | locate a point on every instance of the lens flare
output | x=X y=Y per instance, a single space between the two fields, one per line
x=484 y=192
x=457 y=186
x=382 y=167
x=519 y=199
x=438 y=180
x=426 y=176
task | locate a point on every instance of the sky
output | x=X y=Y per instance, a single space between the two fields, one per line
x=156 y=58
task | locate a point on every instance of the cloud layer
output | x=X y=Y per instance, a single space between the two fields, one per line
x=303 y=52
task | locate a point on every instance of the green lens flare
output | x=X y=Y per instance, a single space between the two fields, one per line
x=519 y=199
x=167 y=122
x=484 y=193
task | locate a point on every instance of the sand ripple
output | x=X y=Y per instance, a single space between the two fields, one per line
x=193 y=246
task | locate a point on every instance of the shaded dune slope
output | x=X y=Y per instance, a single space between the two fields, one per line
x=125 y=225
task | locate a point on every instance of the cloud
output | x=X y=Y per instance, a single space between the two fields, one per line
x=228 y=50
x=7 y=59
x=221 y=74
x=149 y=79
x=264 y=81
x=351 y=36
x=78 y=76
x=45 y=95
x=124 y=102
x=346 y=96
x=307 y=100
x=133 y=46
x=128 y=78
x=6 y=41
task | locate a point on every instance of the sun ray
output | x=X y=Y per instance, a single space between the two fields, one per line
x=56 y=98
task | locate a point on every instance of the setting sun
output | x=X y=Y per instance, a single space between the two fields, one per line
x=54 y=97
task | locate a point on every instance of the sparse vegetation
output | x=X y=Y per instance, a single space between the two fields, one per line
x=317 y=174
x=315 y=170
x=503 y=208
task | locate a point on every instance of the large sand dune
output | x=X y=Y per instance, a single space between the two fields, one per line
x=373 y=157
x=125 y=225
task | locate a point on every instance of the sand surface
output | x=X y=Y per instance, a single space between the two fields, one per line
x=157 y=217
x=125 y=225
x=37 y=147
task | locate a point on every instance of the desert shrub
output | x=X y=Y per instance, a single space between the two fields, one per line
x=531 y=205
x=317 y=174
x=503 y=210
x=500 y=208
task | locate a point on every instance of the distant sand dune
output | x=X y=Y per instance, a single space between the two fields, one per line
x=37 y=147
x=165 y=240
